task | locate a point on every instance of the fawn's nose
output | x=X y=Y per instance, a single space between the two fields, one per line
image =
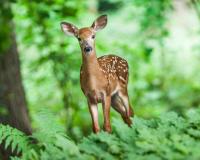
x=88 y=49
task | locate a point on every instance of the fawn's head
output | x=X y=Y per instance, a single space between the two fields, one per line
x=86 y=35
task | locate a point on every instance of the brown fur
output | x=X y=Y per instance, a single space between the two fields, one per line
x=104 y=79
x=107 y=75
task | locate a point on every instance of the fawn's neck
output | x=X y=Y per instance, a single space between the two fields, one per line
x=90 y=63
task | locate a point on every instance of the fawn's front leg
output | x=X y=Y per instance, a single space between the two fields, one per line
x=94 y=115
x=106 y=113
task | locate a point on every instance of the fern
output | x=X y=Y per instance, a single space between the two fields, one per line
x=166 y=137
x=13 y=138
x=17 y=141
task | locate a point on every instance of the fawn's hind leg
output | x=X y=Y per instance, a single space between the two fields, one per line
x=123 y=94
x=117 y=104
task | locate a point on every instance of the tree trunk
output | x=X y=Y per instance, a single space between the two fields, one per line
x=12 y=96
x=13 y=109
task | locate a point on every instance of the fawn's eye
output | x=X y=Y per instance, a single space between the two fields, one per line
x=93 y=36
x=79 y=39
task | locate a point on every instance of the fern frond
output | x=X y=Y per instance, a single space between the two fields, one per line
x=18 y=142
x=14 y=138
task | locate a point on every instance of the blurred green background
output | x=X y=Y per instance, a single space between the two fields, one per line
x=159 y=39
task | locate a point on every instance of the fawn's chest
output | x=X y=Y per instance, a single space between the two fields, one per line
x=92 y=80
x=93 y=84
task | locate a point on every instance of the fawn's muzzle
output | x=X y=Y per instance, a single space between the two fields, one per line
x=88 y=49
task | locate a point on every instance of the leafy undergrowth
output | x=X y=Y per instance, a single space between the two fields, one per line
x=167 y=137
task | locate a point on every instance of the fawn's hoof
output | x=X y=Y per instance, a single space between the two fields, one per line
x=107 y=129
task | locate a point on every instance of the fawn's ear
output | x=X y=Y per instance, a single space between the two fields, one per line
x=99 y=23
x=69 y=29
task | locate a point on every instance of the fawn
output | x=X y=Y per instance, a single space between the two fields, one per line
x=104 y=79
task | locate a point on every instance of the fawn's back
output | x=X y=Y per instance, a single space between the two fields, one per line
x=114 y=67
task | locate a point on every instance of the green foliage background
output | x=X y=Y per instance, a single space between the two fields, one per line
x=51 y=61
x=164 y=76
